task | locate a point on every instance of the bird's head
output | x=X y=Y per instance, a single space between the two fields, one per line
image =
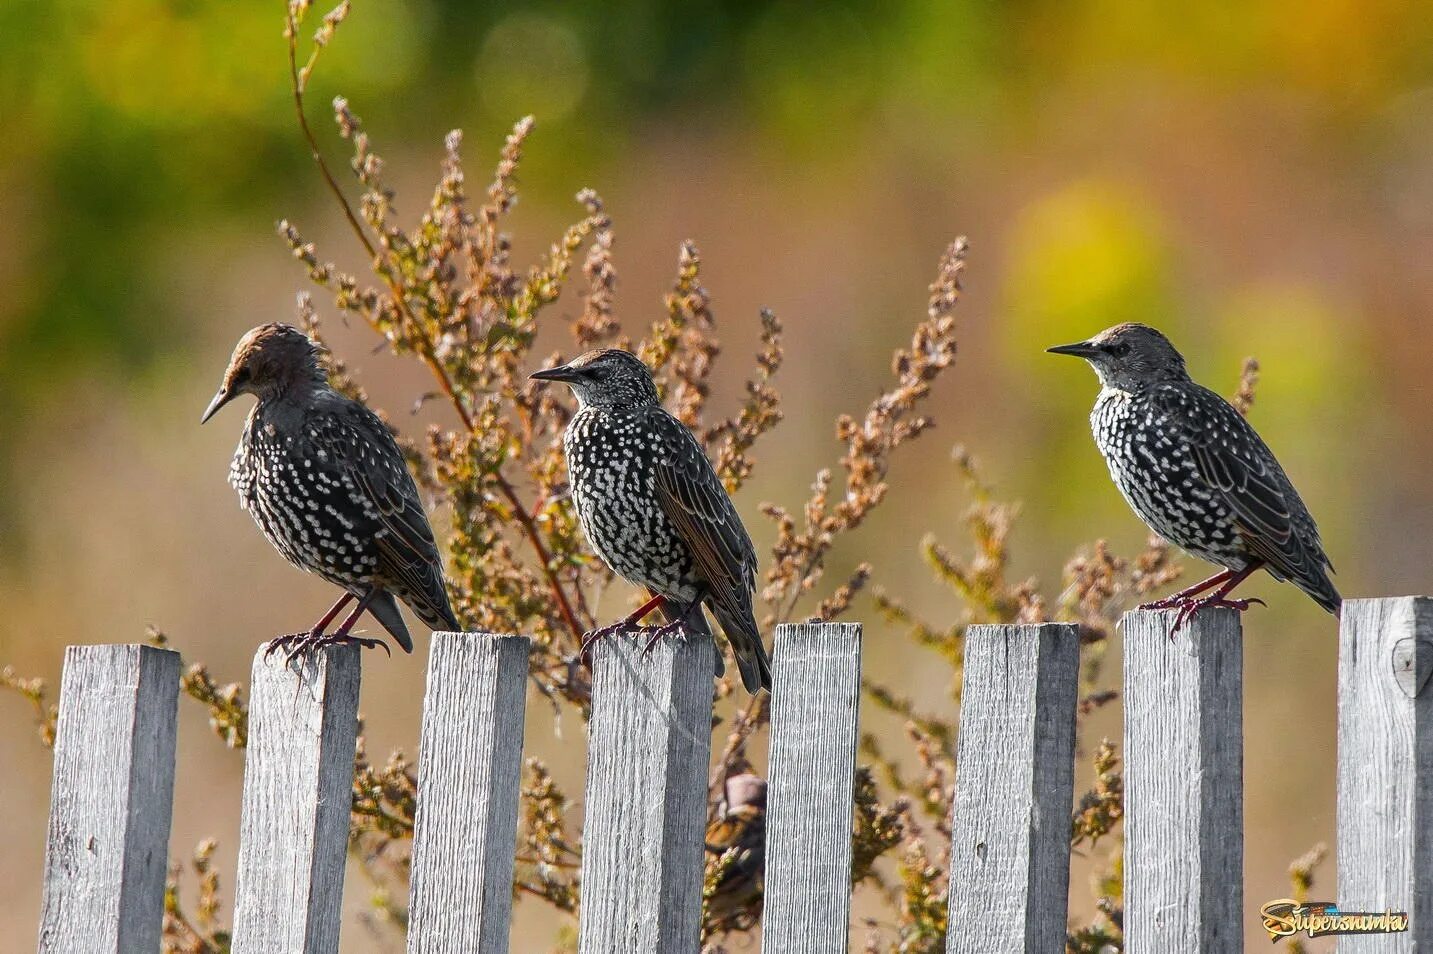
x=746 y=789
x=268 y=362
x=609 y=377
x=1129 y=357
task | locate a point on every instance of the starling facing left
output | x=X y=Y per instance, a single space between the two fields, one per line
x=323 y=478
x=653 y=507
x=1196 y=472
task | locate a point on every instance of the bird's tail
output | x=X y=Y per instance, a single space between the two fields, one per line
x=1322 y=591
x=747 y=647
x=432 y=607
x=385 y=609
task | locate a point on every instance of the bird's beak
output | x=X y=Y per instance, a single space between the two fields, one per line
x=223 y=397
x=562 y=372
x=1080 y=349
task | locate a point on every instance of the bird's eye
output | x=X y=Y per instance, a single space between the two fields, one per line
x=1120 y=349
x=242 y=375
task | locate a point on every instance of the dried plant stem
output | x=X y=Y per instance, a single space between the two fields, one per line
x=425 y=351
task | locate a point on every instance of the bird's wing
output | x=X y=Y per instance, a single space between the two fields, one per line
x=1235 y=462
x=694 y=500
x=360 y=446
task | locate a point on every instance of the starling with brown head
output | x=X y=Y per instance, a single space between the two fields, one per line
x=1196 y=472
x=653 y=507
x=325 y=481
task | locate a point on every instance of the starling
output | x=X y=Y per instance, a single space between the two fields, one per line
x=736 y=842
x=654 y=509
x=323 y=478
x=1196 y=472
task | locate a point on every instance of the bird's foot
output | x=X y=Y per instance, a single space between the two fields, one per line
x=593 y=635
x=1188 y=608
x=286 y=641
x=655 y=634
x=301 y=645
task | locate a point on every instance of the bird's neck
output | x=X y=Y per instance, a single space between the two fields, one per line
x=610 y=407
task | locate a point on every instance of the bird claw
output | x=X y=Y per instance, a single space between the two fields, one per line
x=657 y=633
x=654 y=635
x=284 y=642
x=1187 y=609
x=301 y=645
x=593 y=635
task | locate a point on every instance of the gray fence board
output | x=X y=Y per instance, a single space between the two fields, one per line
x=1014 y=787
x=1385 y=768
x=108 y=839
x=645 y=817
x=816 y=693
x=298 y=792
x=1184 y=793
x=469 y=778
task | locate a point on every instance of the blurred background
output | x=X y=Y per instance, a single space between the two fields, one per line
x=1255 y=179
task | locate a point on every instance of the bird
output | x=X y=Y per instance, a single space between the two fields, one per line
x=654 y=510
x=323 y=478
x=1196 y=472
x=736 y=843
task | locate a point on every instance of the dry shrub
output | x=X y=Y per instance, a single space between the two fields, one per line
x=446 y=294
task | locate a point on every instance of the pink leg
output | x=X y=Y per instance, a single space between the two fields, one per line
x=322 y=624
x=286 y=641
x=1177 y=599
x=1220 y=597
x=676 y=624
x=621 y=626
x=352 y=618
x=318 y=639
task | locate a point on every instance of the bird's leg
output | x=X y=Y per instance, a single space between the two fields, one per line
x=289 y=639
x=677 y=624
x=626 y=624
x=316 y=640
x=343 y=634
x=1184 y=595
x=1219 y=597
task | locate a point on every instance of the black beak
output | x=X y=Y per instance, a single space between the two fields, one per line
x=1080 y=349
x=223 y=397
x=562 y=372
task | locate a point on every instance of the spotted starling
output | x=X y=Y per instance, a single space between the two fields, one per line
x=1194 y=471
x=654 y=509
x=323 y=478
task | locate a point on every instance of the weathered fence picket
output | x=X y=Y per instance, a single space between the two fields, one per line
x=1010 y=819
x=1184 y=788
x=469 y=771
x=648 y=762
x=298 y=791
x=107 y=847
x=816 y=692
x=649 y=743
x=1385 y=768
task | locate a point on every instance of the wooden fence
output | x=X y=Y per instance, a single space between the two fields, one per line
x=649 y=740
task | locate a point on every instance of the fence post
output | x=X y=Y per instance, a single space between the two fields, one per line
x=816 y=692
x=1184 y=787
x=645 y=819
x=1385 y=768
x=469 y=776
x=1014 y=785
x=298 y=791
x=107 y=846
